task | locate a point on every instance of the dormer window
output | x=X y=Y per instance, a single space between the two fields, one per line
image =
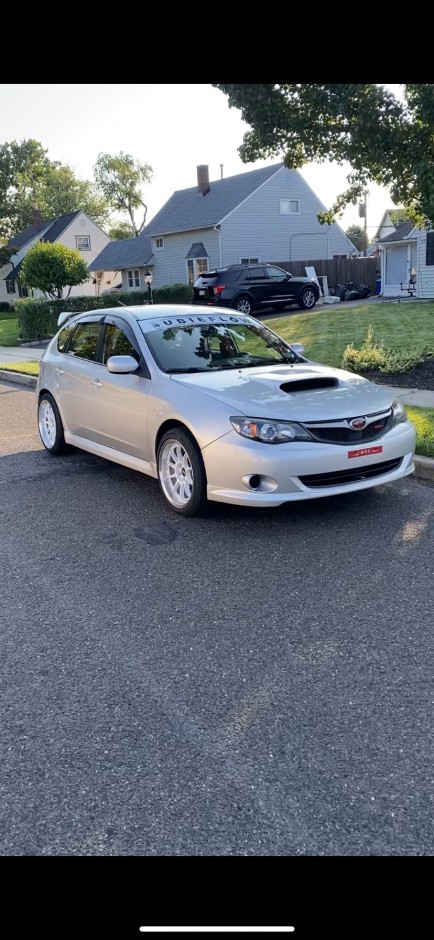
x=159 y=244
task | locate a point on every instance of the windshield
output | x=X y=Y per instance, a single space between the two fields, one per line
x=200 y=348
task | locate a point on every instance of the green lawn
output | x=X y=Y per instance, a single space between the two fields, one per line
x=26 y=368
x=9 y=329
x=423 y=419
x=327 y=331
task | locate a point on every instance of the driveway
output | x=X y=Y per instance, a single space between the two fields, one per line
x=252 y=683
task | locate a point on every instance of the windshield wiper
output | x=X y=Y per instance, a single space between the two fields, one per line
x=184 y=371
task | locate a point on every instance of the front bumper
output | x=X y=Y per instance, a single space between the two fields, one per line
x=232 y=461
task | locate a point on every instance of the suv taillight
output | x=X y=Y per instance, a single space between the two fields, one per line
x=219 y=288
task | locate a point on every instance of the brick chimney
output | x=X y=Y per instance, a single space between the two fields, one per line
x=202 y=180
x=37 y=218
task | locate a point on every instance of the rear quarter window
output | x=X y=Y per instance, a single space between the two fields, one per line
x=63 y=337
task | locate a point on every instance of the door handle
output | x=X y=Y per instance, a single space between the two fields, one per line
x=97 y=383
x=59 y=371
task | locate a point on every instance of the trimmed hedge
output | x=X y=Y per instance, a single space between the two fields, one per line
x=5 y=307
x=37 y=319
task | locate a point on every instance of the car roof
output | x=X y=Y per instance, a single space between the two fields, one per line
x=153 y=311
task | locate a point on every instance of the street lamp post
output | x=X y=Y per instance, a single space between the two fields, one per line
x=148 y=280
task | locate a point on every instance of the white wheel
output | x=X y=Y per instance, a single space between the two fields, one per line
x=50 y=425
x=181 y=473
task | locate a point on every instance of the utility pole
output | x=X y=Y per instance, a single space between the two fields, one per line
x=363 y=214
x=366 y=221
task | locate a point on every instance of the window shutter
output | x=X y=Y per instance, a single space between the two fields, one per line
x=430 y=248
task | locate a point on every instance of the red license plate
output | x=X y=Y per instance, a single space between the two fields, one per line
x=364 y=451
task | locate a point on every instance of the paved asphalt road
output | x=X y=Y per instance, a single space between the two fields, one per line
x=251 y=683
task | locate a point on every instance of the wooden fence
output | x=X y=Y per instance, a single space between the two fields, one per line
x=338 y=271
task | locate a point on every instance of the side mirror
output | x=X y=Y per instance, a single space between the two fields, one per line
x=122 y=364
x=298 y=348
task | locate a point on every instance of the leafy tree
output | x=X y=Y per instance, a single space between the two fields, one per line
x=398 y=215
x=6 y=253
x=62 y=192
x=119 y=230
x=29 y=181
x=357 y=235
x=120 y=178
x=385 y=140
x=52 y=267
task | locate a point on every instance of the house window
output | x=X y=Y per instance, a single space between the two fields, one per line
x=249 y=260
x=430 y=248
x=82 y=242
x=290 y=207
x=195 y=267
x=10 y=287
x=134 y=278
x=159 y=244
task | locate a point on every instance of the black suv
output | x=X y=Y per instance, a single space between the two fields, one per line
x=250 y=287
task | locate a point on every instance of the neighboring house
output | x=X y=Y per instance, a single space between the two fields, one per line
x=269 y=214
x=386 y=226
x=407 y=255
x=75 y=230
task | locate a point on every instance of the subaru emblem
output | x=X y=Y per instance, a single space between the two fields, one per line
x=357 y=424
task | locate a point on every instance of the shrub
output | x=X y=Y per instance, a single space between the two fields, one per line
x=373 y=356
x=4 y=306
x=38 y=318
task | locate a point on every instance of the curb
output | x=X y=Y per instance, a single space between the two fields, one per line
x=18 y=378
x=424 y=466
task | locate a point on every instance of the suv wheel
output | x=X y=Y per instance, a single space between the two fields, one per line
x=307 y=298
x=243 y=304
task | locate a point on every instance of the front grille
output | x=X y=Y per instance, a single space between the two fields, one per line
x=340 y=477
x=344 y=435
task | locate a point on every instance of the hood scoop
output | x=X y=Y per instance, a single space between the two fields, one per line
x=310 y=384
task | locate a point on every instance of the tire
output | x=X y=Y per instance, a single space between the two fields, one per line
x=244 y=304
x=307 y=298
x=181 y=473
x=50 y=426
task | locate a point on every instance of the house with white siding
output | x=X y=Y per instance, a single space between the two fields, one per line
x=268 y=214
x=407 y=262
x=75 y=230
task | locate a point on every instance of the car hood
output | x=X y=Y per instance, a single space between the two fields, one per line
x=284 y=392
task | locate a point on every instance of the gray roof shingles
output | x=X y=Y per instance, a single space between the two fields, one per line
x=403 y=229
x=30 y=232
x=197 y=250
x=187 y=210
x=123 y=254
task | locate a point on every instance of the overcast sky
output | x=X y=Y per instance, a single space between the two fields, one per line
x=172 y=127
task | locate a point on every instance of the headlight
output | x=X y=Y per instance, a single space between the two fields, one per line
x=269 y=432
x=399 y=412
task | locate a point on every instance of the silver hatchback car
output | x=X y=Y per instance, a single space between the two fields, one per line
x=216 y=406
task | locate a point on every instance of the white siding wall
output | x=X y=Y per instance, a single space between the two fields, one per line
x=425 y=274
x=256 y=229
x=82 y=226
x=170 y=262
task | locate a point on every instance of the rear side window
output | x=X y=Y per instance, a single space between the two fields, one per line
x=252 y=274
x=84 y=341
x=63 y=337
